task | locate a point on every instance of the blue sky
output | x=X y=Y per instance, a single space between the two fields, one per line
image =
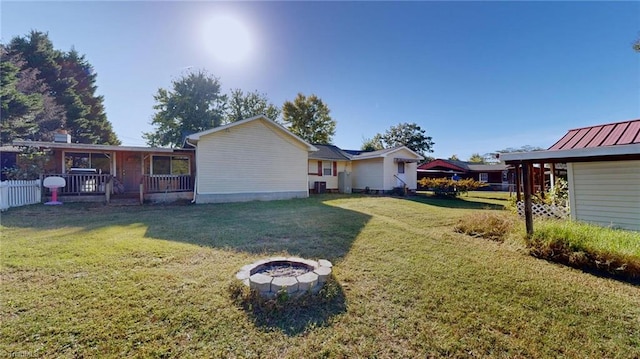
x=477 y=76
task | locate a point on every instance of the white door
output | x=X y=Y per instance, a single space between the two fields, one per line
x=401 y=179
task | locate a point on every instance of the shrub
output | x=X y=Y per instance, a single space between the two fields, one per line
x=485 y=224
x=446 y=187
x=398 y=191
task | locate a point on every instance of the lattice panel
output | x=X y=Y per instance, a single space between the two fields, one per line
x=545 y=210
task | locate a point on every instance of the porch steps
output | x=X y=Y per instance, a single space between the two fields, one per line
x=124 y=202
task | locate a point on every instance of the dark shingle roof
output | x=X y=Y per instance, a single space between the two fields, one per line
x=329 y=152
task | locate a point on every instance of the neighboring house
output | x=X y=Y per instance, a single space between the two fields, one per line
x=384 y=170
x=603 y=167
x=329 y=170
x=498 y=176
x=90 y=170
x=252 y=159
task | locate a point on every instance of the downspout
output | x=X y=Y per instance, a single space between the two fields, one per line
x=195 y=179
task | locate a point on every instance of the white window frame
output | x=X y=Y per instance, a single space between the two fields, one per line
x=327 y=171
x=483 y=177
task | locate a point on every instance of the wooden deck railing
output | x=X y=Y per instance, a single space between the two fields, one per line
x=83 y=184
x=167 y=183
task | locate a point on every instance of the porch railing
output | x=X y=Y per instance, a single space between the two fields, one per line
x=83 y=184
x=167 y=183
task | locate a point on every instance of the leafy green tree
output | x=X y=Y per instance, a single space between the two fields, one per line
x=241 y=106
x=308 y=117
x=372 y=144
x=194 y=104
x=454 y=158
x=406 y=134
x=525 y=148
x=476 y=158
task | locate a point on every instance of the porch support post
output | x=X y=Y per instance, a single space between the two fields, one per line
x=541 y=179
x=552 y=177
x=528 y=214
x=107 y=189
x=518 y=183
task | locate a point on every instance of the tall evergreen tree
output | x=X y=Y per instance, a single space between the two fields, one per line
x=68 y=83
x=26 y=101
x=86 y=120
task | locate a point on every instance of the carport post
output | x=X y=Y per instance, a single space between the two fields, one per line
x=528 y=214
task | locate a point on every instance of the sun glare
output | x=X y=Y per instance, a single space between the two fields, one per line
x=227 y=38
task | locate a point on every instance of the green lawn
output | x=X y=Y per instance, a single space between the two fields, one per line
x=88 y=280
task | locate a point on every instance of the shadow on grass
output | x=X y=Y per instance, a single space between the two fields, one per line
x=459 y=202
x=291 y=316
x=301 y=227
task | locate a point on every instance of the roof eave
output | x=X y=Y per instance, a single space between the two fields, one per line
x=572 y=155
x=94 y=147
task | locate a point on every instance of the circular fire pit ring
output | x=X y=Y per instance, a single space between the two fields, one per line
x=293 y=275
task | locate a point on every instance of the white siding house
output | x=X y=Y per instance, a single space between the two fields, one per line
x=606 y=193
x=385 y=169
x=252 y=159
x=368 y=174
x=325 y=165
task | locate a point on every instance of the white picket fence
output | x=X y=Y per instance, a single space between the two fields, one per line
x=19 y=193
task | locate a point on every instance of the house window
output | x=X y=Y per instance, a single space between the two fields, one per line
x=169 y=165
x=400 y=167
x=313 y=168
x=99 y=161
x=484 y=177
x=327 y=168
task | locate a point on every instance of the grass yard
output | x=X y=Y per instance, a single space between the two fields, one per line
x=88 y=280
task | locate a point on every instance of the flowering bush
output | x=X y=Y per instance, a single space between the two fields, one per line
x=449 y=188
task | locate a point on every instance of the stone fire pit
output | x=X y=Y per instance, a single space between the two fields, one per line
x=294 y=275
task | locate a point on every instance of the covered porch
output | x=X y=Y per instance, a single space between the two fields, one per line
x=104 y=172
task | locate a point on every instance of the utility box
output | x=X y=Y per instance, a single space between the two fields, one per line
x=320 y=187
x=62 y=138
x=344 y=182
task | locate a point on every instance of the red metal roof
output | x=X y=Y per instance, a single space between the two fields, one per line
x=619 y=133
